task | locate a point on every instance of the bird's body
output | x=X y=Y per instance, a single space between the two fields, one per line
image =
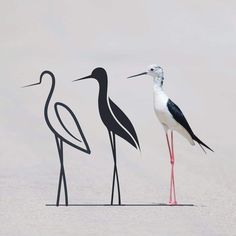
x=115 y=120
x=171 y=118
x=113 y=117
x=61 y=128
x=161 y=108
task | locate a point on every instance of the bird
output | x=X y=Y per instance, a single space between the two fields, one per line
x=115 y=120
x=171 y=118
x=62 y=133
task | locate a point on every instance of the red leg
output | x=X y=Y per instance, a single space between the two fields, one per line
x=172 y=167
x=171 y=177
x=172 y=161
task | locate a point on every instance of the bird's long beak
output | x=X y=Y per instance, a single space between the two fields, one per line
x=144 y=73
x=86 y=77
x=31 y=85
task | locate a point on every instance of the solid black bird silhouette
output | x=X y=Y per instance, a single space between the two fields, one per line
x=115 y=120
x=62 y=133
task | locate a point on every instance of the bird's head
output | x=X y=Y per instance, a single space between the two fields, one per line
x=98 y=73
x=41 y=78
x=156 y=72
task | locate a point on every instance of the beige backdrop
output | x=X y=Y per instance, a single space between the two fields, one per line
x=195 y=43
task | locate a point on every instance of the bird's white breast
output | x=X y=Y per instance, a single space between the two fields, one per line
x=161 y=109
x=164 y=115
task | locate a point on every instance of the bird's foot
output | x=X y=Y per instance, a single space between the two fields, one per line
x=172 y=202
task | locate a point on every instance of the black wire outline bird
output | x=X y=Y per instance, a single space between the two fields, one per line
x=60 y=139
x=115 y=120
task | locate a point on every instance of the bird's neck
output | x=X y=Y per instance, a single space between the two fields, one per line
x=159 y=96
x=102 y=96
x=50 y=94
x=158 y=85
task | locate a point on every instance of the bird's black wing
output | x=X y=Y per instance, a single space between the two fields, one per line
x=180 y=118
x=64 y=123
x=124 y=120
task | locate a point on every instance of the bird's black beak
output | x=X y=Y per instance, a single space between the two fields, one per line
x=31 y=85
x=144 y=73
x=86 y=77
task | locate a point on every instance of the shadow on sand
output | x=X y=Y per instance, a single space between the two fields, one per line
x=127 y=205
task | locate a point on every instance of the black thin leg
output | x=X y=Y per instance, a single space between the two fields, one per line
x=59 y=188
x=62 y=173
x=113 y=185
x=115 y=172
x=117 y=177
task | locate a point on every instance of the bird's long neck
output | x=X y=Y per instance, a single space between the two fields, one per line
x=50 y=92
x=102 y=96
x=159 y=95
x=158 y=85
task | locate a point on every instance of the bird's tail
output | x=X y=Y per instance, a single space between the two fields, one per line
x=201 y=143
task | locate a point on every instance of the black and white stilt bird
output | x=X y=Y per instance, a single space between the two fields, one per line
x=172 y=118
x=115 y=120
x=59 y=127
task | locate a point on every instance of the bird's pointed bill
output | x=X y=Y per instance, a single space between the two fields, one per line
x=86 y=77
x=144 y=73
x=31 y=85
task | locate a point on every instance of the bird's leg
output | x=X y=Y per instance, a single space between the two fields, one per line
x=171 y=176
x=172 y=161
x=117 y=177
x=114 y=171
x=113 y=185
x=60 y=176
x=62 y=173
x=172 y=166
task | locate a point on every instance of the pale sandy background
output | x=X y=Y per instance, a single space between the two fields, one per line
x=194 y=41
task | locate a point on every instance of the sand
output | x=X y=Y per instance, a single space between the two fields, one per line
x=195 y=43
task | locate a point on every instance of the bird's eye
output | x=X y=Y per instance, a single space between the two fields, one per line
x=152 y=69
